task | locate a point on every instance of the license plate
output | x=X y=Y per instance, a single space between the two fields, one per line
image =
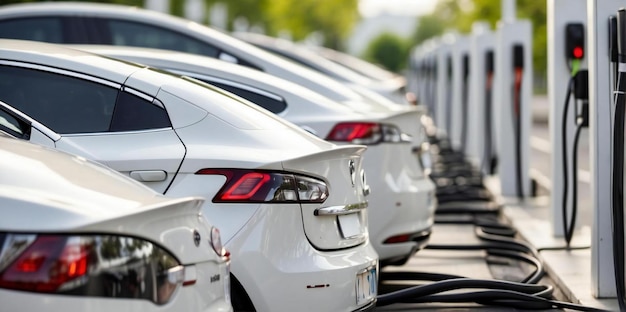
x=350 y=225
x=366 y=286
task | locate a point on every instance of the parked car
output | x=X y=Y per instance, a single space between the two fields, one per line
x=291 y=207
x=392 y=89
x=109 y=24
x=79 y=235
x=361 y=66
x=402 y=204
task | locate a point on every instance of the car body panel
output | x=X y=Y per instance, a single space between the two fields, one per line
x=63 y=194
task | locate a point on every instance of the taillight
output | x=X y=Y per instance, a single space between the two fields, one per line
x=89 y=265
x=366 y=133
x=259 y=186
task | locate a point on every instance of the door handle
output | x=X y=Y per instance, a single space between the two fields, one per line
x=148 y=175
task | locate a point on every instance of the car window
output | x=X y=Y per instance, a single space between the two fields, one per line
x=126 y=33
x=16 y=127
x=273 y=105
x=134 y=113
x=48 y=29
x=70 y=105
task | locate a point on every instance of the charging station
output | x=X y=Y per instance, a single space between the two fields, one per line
x=566 y=29
x=600 y=115
x=444 y=83
x=513 y=92
x=481 y=139
x=459 y=92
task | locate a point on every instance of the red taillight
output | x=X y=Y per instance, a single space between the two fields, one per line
x=259 y=186
x=246 y=186
x=46 y=265
x=398 y=239
x=367 y=133
x=351 y=131
x=89 y=265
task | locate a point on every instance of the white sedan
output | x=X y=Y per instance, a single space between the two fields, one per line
x=291 y=208
x=392 y=89
x=402 y=201
x=78 y=236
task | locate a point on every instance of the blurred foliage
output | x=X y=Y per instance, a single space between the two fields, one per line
x=459 y=15
x=388 y=50
x=428 y=26
x=332 y=19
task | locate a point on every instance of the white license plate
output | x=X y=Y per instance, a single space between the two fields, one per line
x=366 y=286
x=350 y=225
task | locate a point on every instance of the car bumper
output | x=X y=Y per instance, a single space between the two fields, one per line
x=188 y=298
x=281 y=271
x=402 y=203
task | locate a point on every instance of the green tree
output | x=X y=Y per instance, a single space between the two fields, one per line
x=333 y=19
x=428 y=26
x=388 y=50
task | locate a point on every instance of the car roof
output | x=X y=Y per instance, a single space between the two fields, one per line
x=203 y=65
x=267 y=61
x=194 y=93
x=65 y=58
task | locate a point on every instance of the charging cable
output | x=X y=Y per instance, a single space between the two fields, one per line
x=489 y=162
x=618 y=161
x=578 y=85
x=518 y=71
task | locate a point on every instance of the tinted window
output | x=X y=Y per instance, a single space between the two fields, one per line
x=71 y=105
x=273 y=105
x=47 y=29
x=135 y=34
x=135 y=113
x=62 y=103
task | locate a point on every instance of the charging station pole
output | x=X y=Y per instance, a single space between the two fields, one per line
x=444 y=86
x=600 y=130
x=513 y=52
x=458 y=116
x=560 y=14
x=481 y=41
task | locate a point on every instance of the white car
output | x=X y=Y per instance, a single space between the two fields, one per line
x=291 y=208
x=392 y=89
x=110 y=24
x=403 y=198
x=75 y=235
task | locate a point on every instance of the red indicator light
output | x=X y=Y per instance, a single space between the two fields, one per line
x=578 y=52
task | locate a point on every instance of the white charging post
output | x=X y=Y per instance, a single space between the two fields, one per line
x=459 y=50
x=560 y=14
x=481 y=41
x=600 y=138
x=444 y=85
x=512 y=33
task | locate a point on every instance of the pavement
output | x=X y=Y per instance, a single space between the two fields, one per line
x=568 y=271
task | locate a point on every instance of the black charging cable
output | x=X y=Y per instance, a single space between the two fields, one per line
x=488 y=164
x=518 y=72
x=464 y=101
x=578 y=85
x=499 y=241
x=618 y=161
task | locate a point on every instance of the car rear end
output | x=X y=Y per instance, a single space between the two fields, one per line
x=69 y=244
x=403 y=196
x=292 y=207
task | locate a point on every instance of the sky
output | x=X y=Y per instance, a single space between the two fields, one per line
x=369 y=8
